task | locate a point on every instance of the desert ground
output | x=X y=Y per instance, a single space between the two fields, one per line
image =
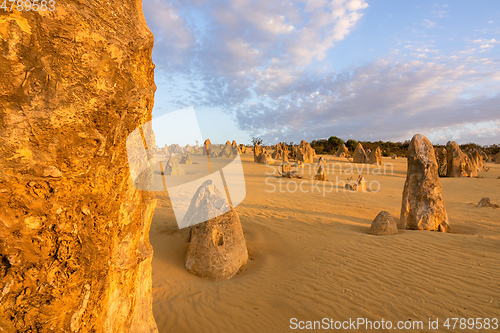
x=311 y=256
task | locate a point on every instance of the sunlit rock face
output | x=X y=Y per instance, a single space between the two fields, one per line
x=359 y=154
x=458 y=163
x=342 y=151
x=423 y=206
x=217 y=247
x=305 y=152
x=376 y=157
x=74 y=247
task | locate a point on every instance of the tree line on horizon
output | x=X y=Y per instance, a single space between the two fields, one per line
x=333 y=143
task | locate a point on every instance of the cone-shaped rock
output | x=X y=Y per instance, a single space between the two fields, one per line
x=459 y=164
x=74 y=247
x=359 y=154
x=227 y=151
x=384 y=224
x=423 y=205
x=217 y=248
x=376 y=157
x=485 y=202
x=342 y=151
x=173 y=168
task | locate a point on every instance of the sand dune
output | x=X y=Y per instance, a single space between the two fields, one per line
x=311 y=257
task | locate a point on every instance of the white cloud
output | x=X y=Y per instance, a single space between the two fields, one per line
x=428 y=24
x=487 y=41
x=254 y=57
x=385 y=100
x=486 y=46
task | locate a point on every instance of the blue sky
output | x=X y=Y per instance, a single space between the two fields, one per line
x=310 y=69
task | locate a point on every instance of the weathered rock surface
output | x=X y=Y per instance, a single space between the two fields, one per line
x=285 y=169
x=186 y=159
x=359 y=185
x=485 y=202
x=458 y=163
x=236 y=148
x=172 y=168
x=175 y=149
x=442 y=161
x=227 y=151
x=423 y=205
x=321 y=173
x=359 y=154
x=496 y=158
x=376 y=157
x=342 y=151
x=256 y=152
x=265 y=158
x=75 y=252
x=305 y=152
x=217 y=247
x=384 y=224
x=477 y=159
x=280 y=152
x=207 y=147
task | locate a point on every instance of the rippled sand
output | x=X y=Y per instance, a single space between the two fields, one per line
x=311 y=257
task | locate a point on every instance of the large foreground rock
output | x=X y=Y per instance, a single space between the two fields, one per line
x=423 y=205
x=384 y=224
x=458 y=163
x=217 y=247
x=74 y=246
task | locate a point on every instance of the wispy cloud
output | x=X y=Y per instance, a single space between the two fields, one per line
x=257 y=60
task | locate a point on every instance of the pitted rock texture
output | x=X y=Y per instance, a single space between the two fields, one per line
x=359 y=154
x=74 y=231
x=217 y=247
x=423 y=205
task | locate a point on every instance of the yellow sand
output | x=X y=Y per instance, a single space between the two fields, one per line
x=311 y=258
